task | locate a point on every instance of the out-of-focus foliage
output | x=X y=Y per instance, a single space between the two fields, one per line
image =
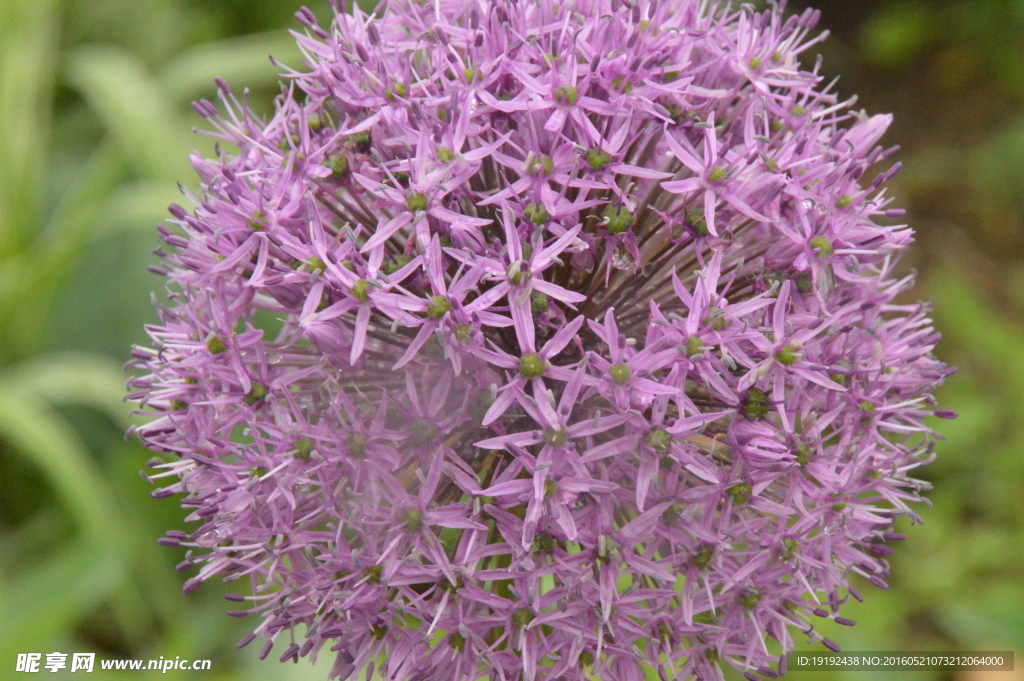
x=95 y=129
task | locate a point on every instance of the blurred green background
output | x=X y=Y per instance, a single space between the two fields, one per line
x=95 y=129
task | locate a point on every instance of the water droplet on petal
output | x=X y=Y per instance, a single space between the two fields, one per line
x=826 y=282
x=274 y=358
x=835 y=527
x=622 y=259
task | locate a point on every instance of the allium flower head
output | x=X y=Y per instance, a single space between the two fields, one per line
x=541 y=340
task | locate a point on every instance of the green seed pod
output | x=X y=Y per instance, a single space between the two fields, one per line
x=422 y=432
x=598 y=159
x=360 y=141
x=412 y=518
x=360 y=290
x=257 y=391
x=538 y=302
x=338 y=165
x=659 y=440
x=303 y=448
x=739 y=493
x=566 y=94
x=536 y=213
x=803 y=454
x=399 y=261
x=619 y=219
x=543 y=542
x=356 y=444
x=620 y=373
x=438 y=307
x=532 y=365
x=756 y=406
x=694 y=346
x=522 y=617
x=374 y=573
x=555 y=437
x=417 y=201
x=823 y=245
x=256 y=221
x=702 y=557
x=749 y=598
x=550 y=488
x=788 y=355
x=696 y=222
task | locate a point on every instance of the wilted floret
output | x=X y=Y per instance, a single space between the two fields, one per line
x=541 y=340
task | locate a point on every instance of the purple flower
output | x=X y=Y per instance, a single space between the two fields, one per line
x=541 y=341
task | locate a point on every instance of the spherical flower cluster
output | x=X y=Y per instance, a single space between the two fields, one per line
x=541 y=340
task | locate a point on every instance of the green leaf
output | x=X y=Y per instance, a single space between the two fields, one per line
x=145 y=520
x=73 y=378
x=21 y=543
x=30 y=279
x=242 y=62
x=996 y=173
x=896 y=33
x=966 y=318
x=932 y=167
x=27 y=49
x=76 y=219
x=137 y=207
x=980 y=415
x=993 y=617
x=134 y=109
x=44 y=438
x=54 y=595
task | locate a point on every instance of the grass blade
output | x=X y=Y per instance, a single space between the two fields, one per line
x=241 y=61
x=27 y=37
x=134 y=108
